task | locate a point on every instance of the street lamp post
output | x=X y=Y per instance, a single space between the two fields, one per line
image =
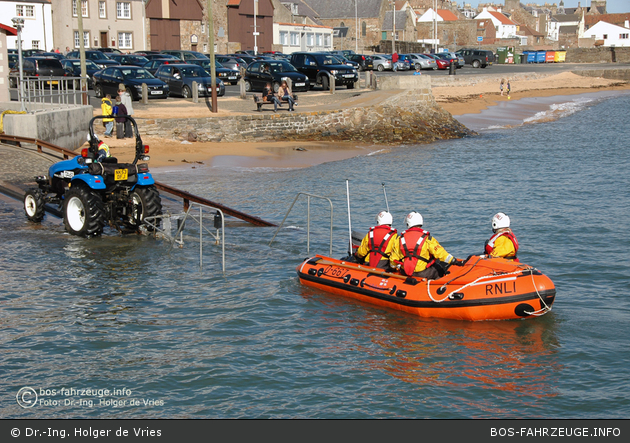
x=356 y=28
x=255 y=28
x=18 y=22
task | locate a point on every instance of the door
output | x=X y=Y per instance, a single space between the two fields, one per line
x=104 y=40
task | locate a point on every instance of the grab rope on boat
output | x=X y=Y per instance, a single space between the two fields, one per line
x=545 y=308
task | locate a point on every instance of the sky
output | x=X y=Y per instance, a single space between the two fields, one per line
x=612 y=6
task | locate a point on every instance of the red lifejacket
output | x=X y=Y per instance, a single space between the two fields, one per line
x=380 y=236
x=415 y=237
x=493 y=239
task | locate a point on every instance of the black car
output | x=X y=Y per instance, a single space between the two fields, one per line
x=129 y=59
x=259 y=73
x=318 y=67
x=365 y=61
x=153 y=65
x=97 y=57
x=226 y=75
x=106 y=81
x=187 y=56
x=73 y=67
x=476 y=57
x=180 y=78
x=37 y=67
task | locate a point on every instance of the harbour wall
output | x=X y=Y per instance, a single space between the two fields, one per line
x=408 y=115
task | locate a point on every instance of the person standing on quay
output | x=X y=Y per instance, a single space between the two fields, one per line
x=127 y=100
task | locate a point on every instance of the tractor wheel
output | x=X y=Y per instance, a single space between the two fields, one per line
x=186 y=92
x=248 y=86
x=83 y=212
x=146 y=203
x=34 y=204
x=325 y=83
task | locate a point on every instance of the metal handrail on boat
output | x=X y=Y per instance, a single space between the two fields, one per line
x=308 y=219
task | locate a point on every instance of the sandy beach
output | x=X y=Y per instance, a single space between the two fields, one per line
x=458 y=100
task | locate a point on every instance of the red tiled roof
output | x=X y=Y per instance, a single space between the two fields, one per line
x=447 y=15
x=502 y=18
x=8 y=29
x=234 y=2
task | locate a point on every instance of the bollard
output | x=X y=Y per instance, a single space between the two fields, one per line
x=452 y=68
x=145 y=94
x=195 y=92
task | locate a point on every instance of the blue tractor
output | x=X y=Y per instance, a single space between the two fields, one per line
x=93 y=190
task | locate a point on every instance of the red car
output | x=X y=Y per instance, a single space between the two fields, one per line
x=441 y=63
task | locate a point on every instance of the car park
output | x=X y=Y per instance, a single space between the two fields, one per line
x=73 y=67
x=153 y=65
x=97 y=57
x=230 y=62
x=226 y=75
x=459 y=60
x=320 y=67
x=365 y=61
x=381 y=63
x=129 y=59
x=180 y=78
x=441 y=63
x=39 y=68
x=107 y=81
x=446 y=57
x=404 y=63
x=257 y=77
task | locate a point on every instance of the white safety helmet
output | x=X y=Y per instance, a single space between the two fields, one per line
x=414 y=219
x=500 y=220
x=384 y=218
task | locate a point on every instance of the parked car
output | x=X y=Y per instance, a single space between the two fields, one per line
x=422 y=61
x=129 y=59
x=109 y=51
x=344 y=52
x=256 y=76
x=248 y=59
x=459 y=60
x=345 y=61
x=106 y=81
x=180 y=78
x=153 y=65
x=441 y=63
x=448 y=58
x=226 y=75
x=365 y=61
x=13 y=59
x=381 y=63
x=318 y=67
x=404 y=63
x=40 y=67
x=31 y=52
x=230 y=62
x=97 y=57
x=476 y=57
x=56 y=55
x=73 y=67
x=159 y=56
x=185 y=55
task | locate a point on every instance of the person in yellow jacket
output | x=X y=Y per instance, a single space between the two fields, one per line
x=376 y=246
x=107 y=109
x=416 y=253
x=503 y=242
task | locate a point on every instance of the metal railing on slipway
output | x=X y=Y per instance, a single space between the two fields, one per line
x=46 y=93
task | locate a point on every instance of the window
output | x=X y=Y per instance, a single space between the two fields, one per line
x=623 y=36
x=284 y=38
x=363 y=29
x=123 y=10
x=383 y=35
x=124 y=40
x=318 y=39
x=309 y=39
x=86 y=39
x=327 y=40
x=84 y=8
x=25 y=10
x=35 y=44
x=605 y=36
x=295 y=39
x=102 y=10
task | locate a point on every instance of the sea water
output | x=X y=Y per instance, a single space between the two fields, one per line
x=136 y=327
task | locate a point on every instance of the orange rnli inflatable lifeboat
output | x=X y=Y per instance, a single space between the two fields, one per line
x=482 y=289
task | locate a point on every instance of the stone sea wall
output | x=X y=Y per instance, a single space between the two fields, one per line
x=407 y=116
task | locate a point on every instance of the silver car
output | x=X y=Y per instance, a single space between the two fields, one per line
x=381 y=63
x=422 y=60
x=460 y=60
